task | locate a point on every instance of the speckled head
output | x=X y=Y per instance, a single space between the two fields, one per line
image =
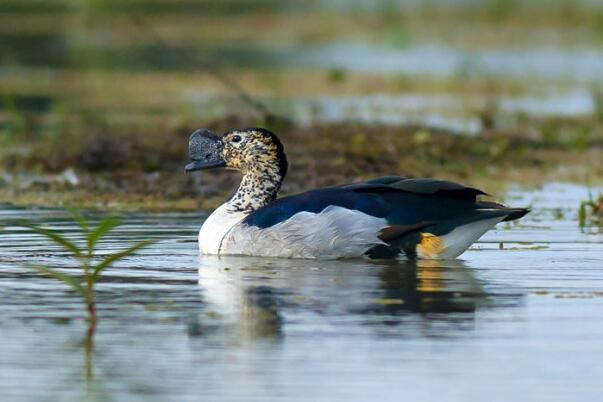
x=247 y=150
x=255 y=152
x=252 y=149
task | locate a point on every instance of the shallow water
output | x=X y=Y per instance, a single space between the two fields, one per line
x=519 y=320
x=575 y=65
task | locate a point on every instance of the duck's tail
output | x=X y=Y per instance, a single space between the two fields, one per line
x=445 y=239
x=512 y=213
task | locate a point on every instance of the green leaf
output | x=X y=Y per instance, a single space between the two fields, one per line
x=79 y=219
x=118 y=256
x=69 y=280
x=582 y=214
x=55 y=237
x=105 y=226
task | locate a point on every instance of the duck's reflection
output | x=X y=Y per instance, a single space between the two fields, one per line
x=260 y=312
x=240 y=295
x=254 y=296
x=427 y=287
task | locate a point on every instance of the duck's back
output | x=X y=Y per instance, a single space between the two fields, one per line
x=382 y=218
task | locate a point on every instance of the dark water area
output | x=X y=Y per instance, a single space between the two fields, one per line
x=518 y=317
x=35 y=50
x=57 y=51
x=25 y=103
x=151 y=7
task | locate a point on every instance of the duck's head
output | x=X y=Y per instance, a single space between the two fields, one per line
x=247 y=150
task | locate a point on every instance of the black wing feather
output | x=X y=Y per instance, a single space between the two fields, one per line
x=400 y=201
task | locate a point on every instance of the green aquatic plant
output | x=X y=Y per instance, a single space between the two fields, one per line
x=84 y=285
x=590 y=211
x=91 y=267
x=598 y=97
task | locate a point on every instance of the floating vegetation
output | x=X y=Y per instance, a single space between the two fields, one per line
x=91 y=270
x=388 y=301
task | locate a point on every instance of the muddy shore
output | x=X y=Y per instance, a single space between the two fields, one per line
x=143 y=170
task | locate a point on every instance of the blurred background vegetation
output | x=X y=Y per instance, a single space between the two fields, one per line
x=97 y=97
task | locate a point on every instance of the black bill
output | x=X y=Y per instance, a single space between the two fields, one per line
x=204 y=150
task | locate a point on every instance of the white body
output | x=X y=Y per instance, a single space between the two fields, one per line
x=336 y=232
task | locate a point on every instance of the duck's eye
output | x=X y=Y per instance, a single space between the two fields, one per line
x=236 y=138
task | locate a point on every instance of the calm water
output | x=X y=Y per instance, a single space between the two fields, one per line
x=521 y=323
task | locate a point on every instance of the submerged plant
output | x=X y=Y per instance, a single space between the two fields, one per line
x=90 y=268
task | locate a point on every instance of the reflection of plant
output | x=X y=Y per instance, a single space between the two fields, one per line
x=84 y=286
x=591 y=211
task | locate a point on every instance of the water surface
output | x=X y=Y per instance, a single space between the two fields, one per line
x=517 y=318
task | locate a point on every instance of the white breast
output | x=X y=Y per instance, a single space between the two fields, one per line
x=215 y=227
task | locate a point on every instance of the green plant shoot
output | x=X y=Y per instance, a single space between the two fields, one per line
x=591 y=211
x=91 y=270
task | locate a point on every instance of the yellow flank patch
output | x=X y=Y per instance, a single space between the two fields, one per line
x=430 y=246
